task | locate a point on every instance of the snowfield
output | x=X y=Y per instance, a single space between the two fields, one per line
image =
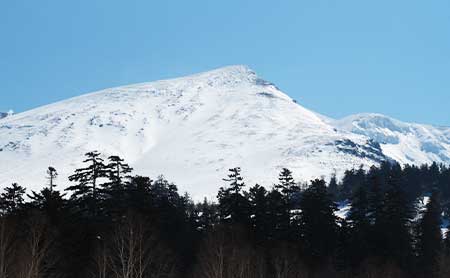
x=193 y=129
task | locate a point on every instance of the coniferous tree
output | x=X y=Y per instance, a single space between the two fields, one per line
x=117 y=171
x=259 y=207
x=395 y=221
x=291 y=193
x=286 y=184
x=139 y=194
x=317 y=225
x=51 y=202
x=359 y=226
x=279 y=226
x=48 y=200
x=11 y=200
x=344 y=258
x=375 y=212
x=447 y=242
x=333 y=187
x=87 y=190
x=113 y=190
x=429 y=236
x=207 y=215
x=52 y=174
x=233 y=206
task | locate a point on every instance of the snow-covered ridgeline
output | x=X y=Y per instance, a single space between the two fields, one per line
x=192 y=129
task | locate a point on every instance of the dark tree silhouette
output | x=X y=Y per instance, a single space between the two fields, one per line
x=11 y=200
x=317 y=225
x=429 y=237
x=233 y=205
x=86 y=191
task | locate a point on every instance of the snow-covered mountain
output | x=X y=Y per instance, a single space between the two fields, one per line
x=407 y=143
x=193 y=129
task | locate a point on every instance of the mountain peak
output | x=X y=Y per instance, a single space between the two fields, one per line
x=232 y=70
x=229 y=75
x=193 y=129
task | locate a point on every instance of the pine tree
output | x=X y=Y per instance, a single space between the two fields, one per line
x=48 y=200
x=375 y=212
x=359 y=226
x=317 y=225
x=395 y=221
x=138 y=194
x=206 y=215
x=117 y=171
x=447 y=242
x=279 y=226
x=287 y=185
x=114 y=190
x=233 y=206
x=344 y=257
x=290 y=192
x=51 y=176
x=333 y=187
x=87 y=190
x=259 y=207
x=430 y=237
x=51 y=202
x=11 y=200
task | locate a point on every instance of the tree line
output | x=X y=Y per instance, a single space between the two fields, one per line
x=111 y=223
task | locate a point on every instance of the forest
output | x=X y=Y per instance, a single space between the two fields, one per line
x=110 y=223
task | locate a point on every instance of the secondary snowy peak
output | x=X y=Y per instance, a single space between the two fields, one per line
x=191 y=129
x=407 y=143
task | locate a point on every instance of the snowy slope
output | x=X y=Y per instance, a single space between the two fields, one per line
x=407 y=143
x=190 y=129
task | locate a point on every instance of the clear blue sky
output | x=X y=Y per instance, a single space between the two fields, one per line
x=336 y=57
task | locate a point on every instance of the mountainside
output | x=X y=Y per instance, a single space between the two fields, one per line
x=407 y=143
x=193 y=129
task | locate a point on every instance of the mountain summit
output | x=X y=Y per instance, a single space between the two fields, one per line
x=192 y=129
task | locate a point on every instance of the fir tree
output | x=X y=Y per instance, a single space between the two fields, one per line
x=395 y=221
x=344 y=258
x=206 y=215
x=333 y=187
x=279 y=227
x=259 y=207
x=317 y=225
x=359 y=226
x=290 y=192
x=430 y=237
x=287 y=185
x=233 y=206
x=375 y=211
x=49 y=201
x=11 y=200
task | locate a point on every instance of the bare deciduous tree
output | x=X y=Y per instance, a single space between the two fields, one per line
x=35 y=256
x=6 y=246
x=286 y=263
x=135 y=251
x=224 y=254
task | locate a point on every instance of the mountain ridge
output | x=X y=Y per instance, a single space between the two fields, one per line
x=192 y=129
